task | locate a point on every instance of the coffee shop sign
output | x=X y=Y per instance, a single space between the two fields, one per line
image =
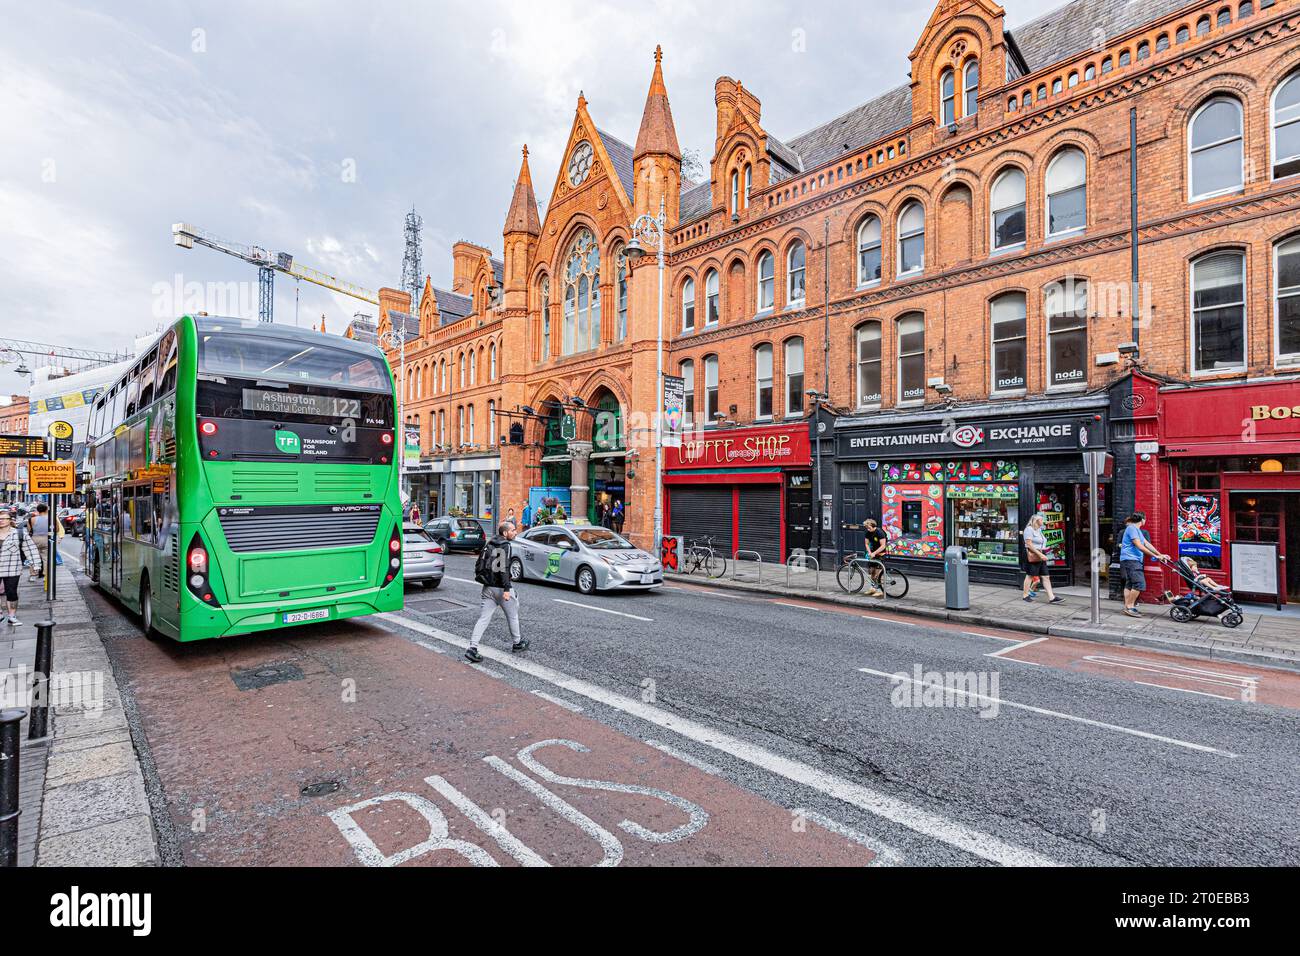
x=755 y=448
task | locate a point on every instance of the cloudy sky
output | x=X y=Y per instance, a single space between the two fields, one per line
x=311 y=128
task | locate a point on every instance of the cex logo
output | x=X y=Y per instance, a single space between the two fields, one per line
x=967 y=436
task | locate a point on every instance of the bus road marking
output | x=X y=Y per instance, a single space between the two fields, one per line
x=928 y=824
x=1016 y=647
x=605 y=610
x=558 y=701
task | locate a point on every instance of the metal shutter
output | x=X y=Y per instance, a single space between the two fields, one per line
x=698 y=510
x=760 y=520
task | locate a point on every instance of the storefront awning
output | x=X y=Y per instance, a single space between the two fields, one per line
x=621 y=453
x=552 y=459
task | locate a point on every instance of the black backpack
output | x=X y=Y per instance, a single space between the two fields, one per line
x=483 y=566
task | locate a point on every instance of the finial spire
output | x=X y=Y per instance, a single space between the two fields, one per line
x=657 y=134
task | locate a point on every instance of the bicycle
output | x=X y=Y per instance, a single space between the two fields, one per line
x=703 y=558
x=856 y=568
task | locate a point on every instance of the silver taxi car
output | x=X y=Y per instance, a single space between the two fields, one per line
x=589 y=557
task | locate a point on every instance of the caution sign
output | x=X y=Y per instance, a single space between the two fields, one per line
x=51 y=477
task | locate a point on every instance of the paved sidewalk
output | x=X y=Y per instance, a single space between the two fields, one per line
x=82 y=791
x=1263 y=638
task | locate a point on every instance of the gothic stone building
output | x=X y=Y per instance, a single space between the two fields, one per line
x=1081 y=232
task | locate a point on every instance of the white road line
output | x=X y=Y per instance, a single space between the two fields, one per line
x=1016 y=647
x=428 y=646
x=1177 y=671
x=890 y=620
x=928 y=824
x=1204 y=748
x=558 y=701
x=461 y=580
x=992 y=637
x=684 y=757
x=592 y=607
x=884 y=855
x=1185 y=690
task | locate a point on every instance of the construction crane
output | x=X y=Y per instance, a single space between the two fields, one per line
x=268 y=264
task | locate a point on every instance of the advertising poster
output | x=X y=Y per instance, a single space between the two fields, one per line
x=1052 y=510
x=1199 y=526
x=412 y=446
x=912 y=517
x=674 y=410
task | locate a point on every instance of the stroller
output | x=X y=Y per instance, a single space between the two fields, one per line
x=1201 y=602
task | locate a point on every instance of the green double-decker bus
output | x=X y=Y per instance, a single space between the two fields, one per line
x=244 y=477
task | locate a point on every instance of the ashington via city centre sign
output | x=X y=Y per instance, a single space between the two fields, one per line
x=1025 y=436
x=781 y=446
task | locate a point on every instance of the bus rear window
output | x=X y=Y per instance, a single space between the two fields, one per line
x=253 y=357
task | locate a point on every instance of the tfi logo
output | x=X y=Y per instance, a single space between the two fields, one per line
x=967 y=436
x=133 y=910
x=288 y=442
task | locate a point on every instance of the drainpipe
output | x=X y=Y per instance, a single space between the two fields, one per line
x=1135 y=299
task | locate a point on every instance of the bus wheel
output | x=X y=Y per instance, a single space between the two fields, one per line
x=146 y=610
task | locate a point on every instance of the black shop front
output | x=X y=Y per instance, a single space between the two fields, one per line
x=974 y=478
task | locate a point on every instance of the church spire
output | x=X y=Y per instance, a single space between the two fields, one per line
x=523 y=207
x=657 y=134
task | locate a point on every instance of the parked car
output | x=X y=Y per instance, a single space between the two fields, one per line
x=74 y=520
x=456 y=534
x=589 y=557
x=421 y=557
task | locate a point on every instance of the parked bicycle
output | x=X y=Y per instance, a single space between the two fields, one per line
x=857 y=568
x=702 y=557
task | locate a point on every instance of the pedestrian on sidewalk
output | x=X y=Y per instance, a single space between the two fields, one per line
x=41 y=525
x=1036 y=561
x=510 y=516
x=492 y=570
x=527 y=517
x=616 y=517
x=1133 y=546
x=876 y=543
x=16 y=545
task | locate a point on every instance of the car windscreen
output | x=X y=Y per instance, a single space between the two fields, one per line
x=253 y=356
x=602 y=539
x=410 y=533
x=467 y=524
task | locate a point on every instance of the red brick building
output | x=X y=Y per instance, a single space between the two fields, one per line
x=951 y=265
x=13 y=421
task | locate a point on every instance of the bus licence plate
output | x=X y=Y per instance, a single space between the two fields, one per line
x=297 y=616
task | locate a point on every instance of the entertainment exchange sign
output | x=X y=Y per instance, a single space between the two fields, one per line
x=1064 y=433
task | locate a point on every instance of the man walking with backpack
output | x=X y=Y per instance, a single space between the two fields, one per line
x=492 y=570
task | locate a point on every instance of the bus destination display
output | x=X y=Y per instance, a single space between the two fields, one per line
x=296 y=403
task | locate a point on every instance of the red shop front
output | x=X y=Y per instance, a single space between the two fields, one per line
x=749 y=489
x=1218 y=475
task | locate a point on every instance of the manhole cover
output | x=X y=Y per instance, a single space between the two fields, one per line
x=264 y=675
x=321 y=789
x=436 y=605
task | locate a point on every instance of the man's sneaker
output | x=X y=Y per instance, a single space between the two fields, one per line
x=876 y=593
x=1028 y=599
x=1057 y=600
x=1132 y=612
x=14 y=621
x=473 y=656
x=518 y=647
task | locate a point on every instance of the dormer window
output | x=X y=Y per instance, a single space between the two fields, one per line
x=948 y=100
x=972 y=87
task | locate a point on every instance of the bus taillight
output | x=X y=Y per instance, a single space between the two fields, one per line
x=395 y=549
x=196 y=560
x=386 y=438
x=208 y=428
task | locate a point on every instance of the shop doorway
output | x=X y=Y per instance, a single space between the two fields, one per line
x=798 y=512
x=1271 y=518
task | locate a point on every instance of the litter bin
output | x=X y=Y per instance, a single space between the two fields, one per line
x=956 y=579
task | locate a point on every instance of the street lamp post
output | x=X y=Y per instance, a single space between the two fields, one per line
x=392 y=339
x=650 y=230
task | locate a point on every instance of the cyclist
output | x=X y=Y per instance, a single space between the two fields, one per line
x=876 y=543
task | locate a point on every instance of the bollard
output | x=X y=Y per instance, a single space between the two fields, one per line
x=40 y=699
x=9 y=811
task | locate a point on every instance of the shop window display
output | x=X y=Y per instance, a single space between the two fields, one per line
x=1052 y=508
x=986 y=521
x=914 y=471
x=912 y=518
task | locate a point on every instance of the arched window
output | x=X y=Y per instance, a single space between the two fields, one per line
x=1286 y=269
x=492 y=422
x=1066 y=308
x=710 y=388
x=688 y=305
x=911 y=239
x=492 y=362
x=687 y=372
x=972 y=87
x=869 y=339
x=793 y=377
x=1215 y=148
x=766 y=281
x=712 y=309
x=1008 y=327
x=1219 y=312
x=462 y=369
x=445 y=383
x=473 y=367
x=1182 y=35
x=1286 y=127
x=749 y=182
x=460 y=426
x=911 y=358
x=1202 y=26
x=470 y=413
x=582 y=294
x=947 y=98
x=1224 y=18
x=546 y=318
x=735 y=192
x=1067 y=192
x=442 y=428
x=1007 y=202
x=795 y=286
x=1246 y=9
x=869 y=251
x=763 y=381
x=620 y=264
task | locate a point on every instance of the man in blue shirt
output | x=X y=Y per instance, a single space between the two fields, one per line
x=1133 y=547
x=527 y=516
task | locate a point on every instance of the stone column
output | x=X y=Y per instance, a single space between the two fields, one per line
x=580 y=454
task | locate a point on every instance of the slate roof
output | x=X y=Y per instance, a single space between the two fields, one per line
x=452 y=306
x=620 y=154
x=404 y=322
x=695 y=201
x=1068 y=30
x=854 y=129
x=498 y=272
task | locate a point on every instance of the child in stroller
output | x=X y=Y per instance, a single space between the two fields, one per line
x=1206 y=598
